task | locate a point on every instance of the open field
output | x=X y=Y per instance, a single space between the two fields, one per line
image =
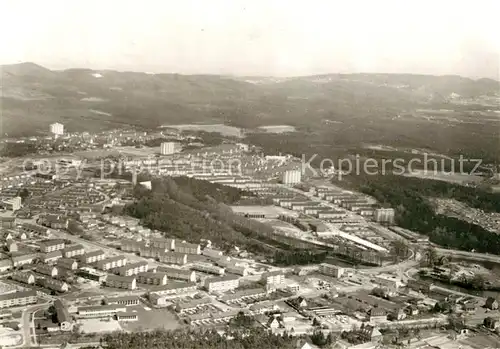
x=220 y=128
x=150 y=319
x=457 y=178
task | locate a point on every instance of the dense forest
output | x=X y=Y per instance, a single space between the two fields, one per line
x=192 y=209
x=409 y=196
x=12 y=150
x=182 y=339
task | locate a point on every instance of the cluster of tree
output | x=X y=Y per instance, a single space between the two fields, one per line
x=299 y=257
x=182 y=339
x=12 y=150
x=185 y=208
x=409 y=196
x=242 y=321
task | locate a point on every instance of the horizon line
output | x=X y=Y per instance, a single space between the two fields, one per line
x=246 y=76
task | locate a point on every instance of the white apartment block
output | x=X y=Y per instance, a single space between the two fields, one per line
x=274 y=278
x=222 y=284
x=73 y=251
x=47 y=246
x=111 y=263
x=125 y=282
x=150 y=278
x=133 y=268
x=187 y=248
x=331 y=270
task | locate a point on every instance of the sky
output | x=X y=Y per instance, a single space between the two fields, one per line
x=257 y=37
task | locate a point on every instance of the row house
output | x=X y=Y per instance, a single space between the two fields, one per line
x=187 y=248
x=73 y=251
x=67 y=263
x=178 y=274
x=151 y=252
x=17 y=299
x=51 y=257
x=18 y=261
x=24 y=277
x=54 y=221
x=7 y=222
x=46 y=269
x=47 y=246
x=222 y=284
x=34 y=229
x=132 y=269
x=166 y=244
x=125 y=282
x=174 y=288
x=132 y=246
x=173 y=258
x=151 y=278
x=53 y=284
x=111 y=263
x=211 y=253
x=92 y=257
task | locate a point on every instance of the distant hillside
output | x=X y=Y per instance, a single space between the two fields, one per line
x=84 y=99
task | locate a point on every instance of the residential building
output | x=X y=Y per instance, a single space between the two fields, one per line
x=111 y=263
x=92 y=274
x=54 y=221
x=491 y=303
x=47 y=246
x=12 y=204
x=384 y=215
x=11 y=246
x=173 y=258
x=174 y=288
x=243 y=295
x=187 y=248
x=35 y=229
x=57 y=129
x=100 y=311
x=117 y=281
x=18 y=261
x=378 y=315
x=168 y=148
x=7 y=222
x=51 y=257
x=192 y=305
x=331 y=270
x=67 y=263
x=152 y=252
x=166 y=244
x=125 y=300
x=24 y=277
x=238 y=270
x=5 y=265
x=63 y=318
x=53 y=284
x=274 y=278
x=92 y=257
x=211 y=253
x=292 y=177
x=132 y=269
x=46 y=269
x=207 y=268
x=152 y=278
x=73 y=251
x=178 y=274
x=491 y=323
x=222 y=284
x=132 y=246
x=17 y=299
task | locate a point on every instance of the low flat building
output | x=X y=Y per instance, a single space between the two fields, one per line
x=151 y=278
x=127 y=317
x=17 y=299
x=125 y=282
x=193 y=305
x=91 y=274
x=208 y=268
x=222 y=284
x=178 y=274
x=211 y=253
x=125 y=300
x=243 y=295
x=73 y=251
x=174 y=288
x=100 y=311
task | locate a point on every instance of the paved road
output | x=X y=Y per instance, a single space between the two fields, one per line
x=28 y=325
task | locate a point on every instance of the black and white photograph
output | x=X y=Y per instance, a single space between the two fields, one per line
x=249 y=174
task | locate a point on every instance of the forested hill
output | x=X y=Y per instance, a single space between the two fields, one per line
x=193 y=210
x=414 y=210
